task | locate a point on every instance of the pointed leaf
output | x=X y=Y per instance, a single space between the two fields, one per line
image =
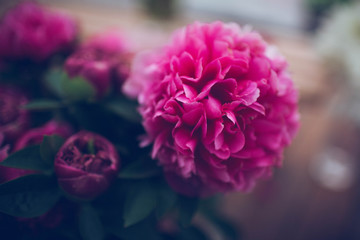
x=140 y=202
x=140 y=169
x=166 y=200
x=43 y=105
x=28 y=196
x=124 y=108
x=49 y=148
x=27 y=158
x=187 y=209
x=90 y=226
x=77 y=89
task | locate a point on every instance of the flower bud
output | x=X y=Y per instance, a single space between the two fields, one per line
x=13 y=118
x=30 y=31
x=35 y=135
x=86 y=165
x=102 y=61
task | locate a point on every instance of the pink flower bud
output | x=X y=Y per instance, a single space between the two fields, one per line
x=103 y=61
x=35 y=135
x=30 y=31
x=86 y=165
x=13 y=118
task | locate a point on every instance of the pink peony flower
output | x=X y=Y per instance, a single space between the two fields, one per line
x=35 y=135
x=103 y=61
x=218 y=105
x=32 y=32
x=13 y=118
x=86 y=164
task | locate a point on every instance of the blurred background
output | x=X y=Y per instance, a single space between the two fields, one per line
x=316 y=195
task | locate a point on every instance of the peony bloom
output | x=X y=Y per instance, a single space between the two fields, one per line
x=103 y=61
x=86 y=164
x=219 y=107
x=35 y=135
x=30 y=31
x=13 y=118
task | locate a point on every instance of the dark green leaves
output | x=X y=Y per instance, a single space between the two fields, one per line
x=90 y=226
x=27 y=158
x=37 y=157
x=28 y=196
x=49 y=147
x=140 y=202
x=143 y=168
x=124 y=108
x=43 y=105
x=187 y=208
x=71 y=89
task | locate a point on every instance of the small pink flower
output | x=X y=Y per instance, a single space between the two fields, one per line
x=86 y=165
x=103 y=61
x=218 y=105
x=35 y=135
x=30 y=31
x=13 y=118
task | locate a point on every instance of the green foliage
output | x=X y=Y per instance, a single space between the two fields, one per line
x=69 y=89
x=140 y=202
x=90 y=226
x=43 y=105
x=28 y=196
x=27 y=158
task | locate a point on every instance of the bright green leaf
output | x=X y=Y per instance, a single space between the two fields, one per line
x=27 y=158
x=28 y=196
x=90 y=226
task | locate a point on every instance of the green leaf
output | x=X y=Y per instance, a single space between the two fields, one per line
x=143 y=168
x=71 y=89
x=191 y=233
x=43 y=105
x=54 y=81
x=187 y=209
x=124 y=108
x=28 y=196
x=139 y=203
x=166 y=200
x=77 y=89
x=143 y=230
x=90 y=226
x=49 y=148
x=27 y=158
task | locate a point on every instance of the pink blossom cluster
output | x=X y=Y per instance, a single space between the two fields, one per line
x=218 y=105
x=102 y=61
x=30 y=31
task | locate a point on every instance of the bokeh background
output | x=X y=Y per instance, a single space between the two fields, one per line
x=316 y=195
